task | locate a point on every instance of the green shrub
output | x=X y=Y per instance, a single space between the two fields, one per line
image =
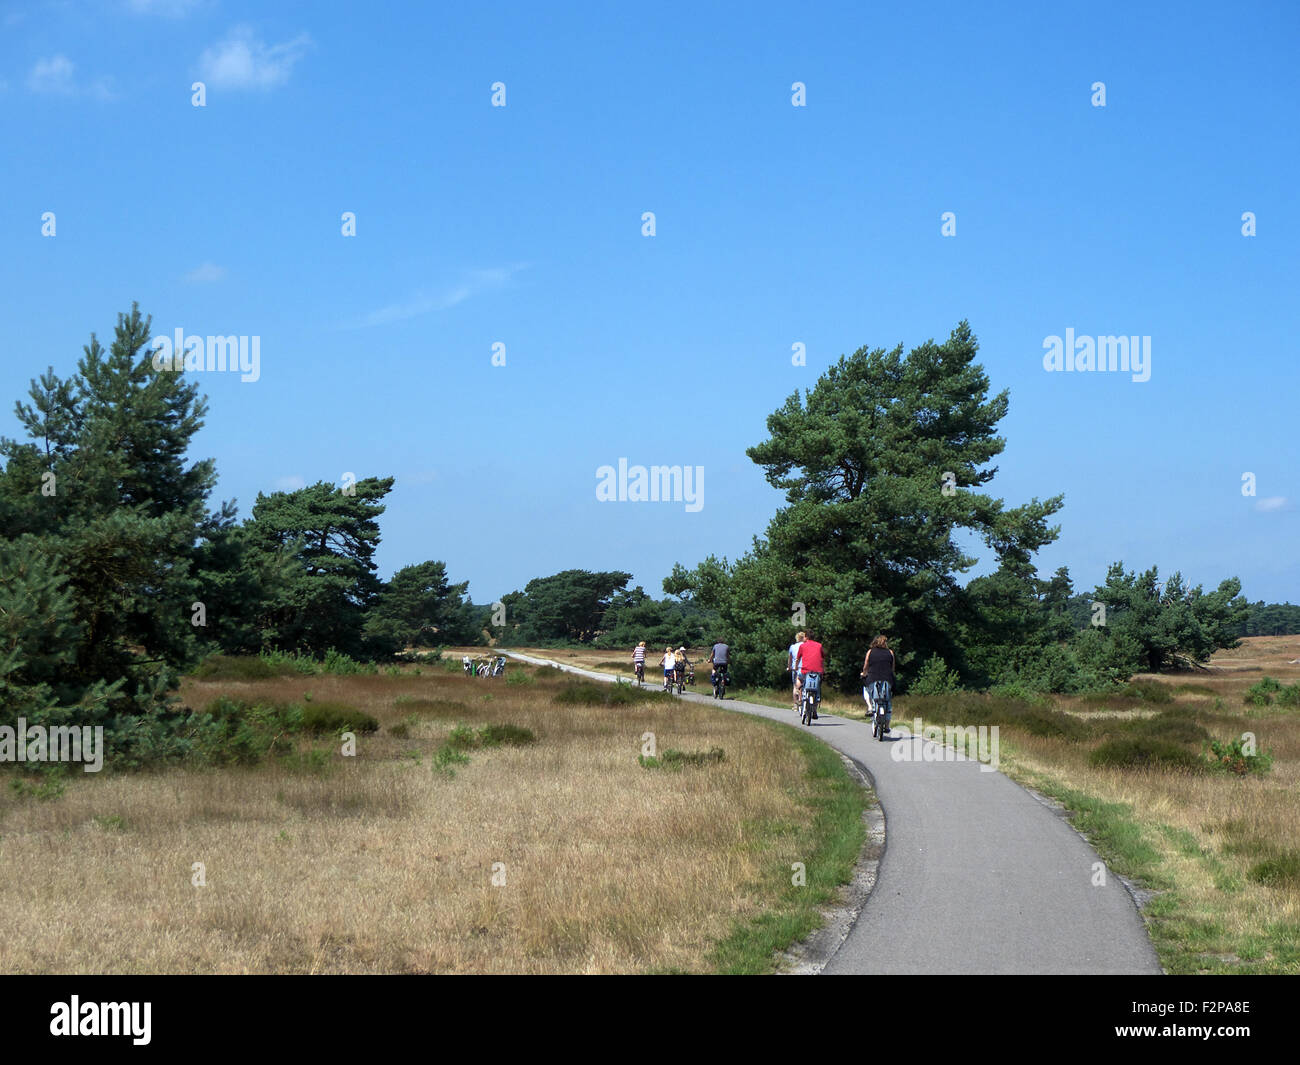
x=1231 y=756
x=934 y=678
x=1176 y=726
x=463 y=737
x=312 y=760
x=674 y=759
x=1289 y=696
x=1151 y=691
x=587 y=693
x=1282 y=871
x=510 y=735
x=1261 y=692
x=445 y=758
x=45 y=786
x=1143 y=752
x=290 y=662
x=231 y=667
x=318 y=718
x=1038 y=721
x=1016 y=691
x=337 y=663
x=1033 y=715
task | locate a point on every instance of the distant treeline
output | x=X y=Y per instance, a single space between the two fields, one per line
x=1271 y=619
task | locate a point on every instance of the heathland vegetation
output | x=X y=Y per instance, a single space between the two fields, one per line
x=117 y=573
x=317 y=735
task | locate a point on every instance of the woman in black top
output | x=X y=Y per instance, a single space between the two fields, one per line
x=880 y=662
x=878 y=676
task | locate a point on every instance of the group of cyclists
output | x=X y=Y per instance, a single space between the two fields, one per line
x=679 y=671
x=806 y=664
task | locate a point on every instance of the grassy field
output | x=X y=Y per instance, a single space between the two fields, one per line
x=448 y=843
x=1219 y=852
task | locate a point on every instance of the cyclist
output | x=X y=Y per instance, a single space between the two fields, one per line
x=799 y=638
x=669 y=662
x=638 y=661
x=719 y=660
x=809 y=663
x=878 y=674
x=680 y=672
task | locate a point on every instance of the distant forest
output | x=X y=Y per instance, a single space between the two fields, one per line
x=1271 y=619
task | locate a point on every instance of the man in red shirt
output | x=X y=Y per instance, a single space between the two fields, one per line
x=809 y=661
x=810 y=656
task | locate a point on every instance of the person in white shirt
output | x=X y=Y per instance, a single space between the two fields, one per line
x=669 y=663
x=794 y=673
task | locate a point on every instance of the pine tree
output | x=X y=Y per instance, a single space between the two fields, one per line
x=882 y=463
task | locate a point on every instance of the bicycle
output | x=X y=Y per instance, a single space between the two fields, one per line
x=679 y=679
x=878 y=701
x=812 y=698
x=720 y=682
x=639 y=669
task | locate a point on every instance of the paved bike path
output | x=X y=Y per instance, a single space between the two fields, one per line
x=978 y=875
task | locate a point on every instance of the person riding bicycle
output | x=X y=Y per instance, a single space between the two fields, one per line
x=719 y=658
x=680 y=673
x=879 y=680
x=809 y=662
x=638 y=660
x=669 y=662
x=794 y=673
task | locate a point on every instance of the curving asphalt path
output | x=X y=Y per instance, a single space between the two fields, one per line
x=978 y=875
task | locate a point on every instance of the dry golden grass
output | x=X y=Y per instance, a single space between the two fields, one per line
x=382 y=865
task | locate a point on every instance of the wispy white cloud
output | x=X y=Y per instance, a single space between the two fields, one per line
x=206 y=273
x=53 y=75
x=291 y=483
x=425 y=301
x=57 y=76
x=244 y=61
x=1271 y=503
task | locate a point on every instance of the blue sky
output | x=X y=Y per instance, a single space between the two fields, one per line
x=775 y=224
